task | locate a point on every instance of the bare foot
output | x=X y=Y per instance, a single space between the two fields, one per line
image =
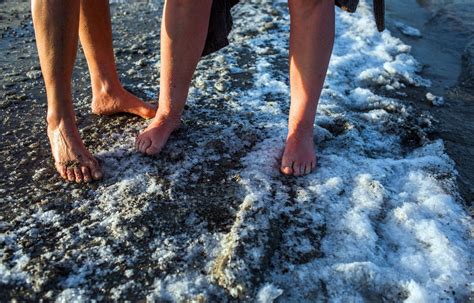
x=299 y=157
x=120 y=101
x=71 y=158
x=155 y=136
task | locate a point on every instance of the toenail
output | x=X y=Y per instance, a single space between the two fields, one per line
x=97 y=175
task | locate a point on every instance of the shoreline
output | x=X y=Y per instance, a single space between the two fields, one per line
x=449 y=63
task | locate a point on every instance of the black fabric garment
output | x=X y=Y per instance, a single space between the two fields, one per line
x=379 y=10
x=348 y=5
x=220 y=25
x=220 y=22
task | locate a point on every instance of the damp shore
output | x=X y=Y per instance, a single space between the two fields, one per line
x=383 y=218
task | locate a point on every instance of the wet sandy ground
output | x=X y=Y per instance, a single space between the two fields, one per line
x=191 y=198
x=28 y=179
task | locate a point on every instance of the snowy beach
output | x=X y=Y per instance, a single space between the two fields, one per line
x=211 y=219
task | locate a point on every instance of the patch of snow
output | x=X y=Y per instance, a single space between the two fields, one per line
x=435 y=100
x=408 y=30
x=268 y=293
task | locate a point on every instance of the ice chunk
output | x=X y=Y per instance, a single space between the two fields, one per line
x=408 y=30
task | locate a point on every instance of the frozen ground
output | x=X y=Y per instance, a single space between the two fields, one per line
x=211 y=219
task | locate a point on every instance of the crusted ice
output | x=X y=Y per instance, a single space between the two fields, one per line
x=408 y=30
x=211 y=218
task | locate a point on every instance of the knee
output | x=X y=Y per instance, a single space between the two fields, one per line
x=307 y=8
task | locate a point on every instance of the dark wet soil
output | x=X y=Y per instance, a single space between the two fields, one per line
x=24 y=151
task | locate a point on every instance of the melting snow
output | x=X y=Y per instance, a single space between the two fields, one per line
x=377 y=221
x=408 y=30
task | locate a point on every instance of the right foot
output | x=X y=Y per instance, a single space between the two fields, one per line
x=119 y=100
x=155 y=136
x=71 y=158
x=298 y=158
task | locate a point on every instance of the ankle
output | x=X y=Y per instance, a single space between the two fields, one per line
x=58 y=119
x=168 y=116
x=100 y=89
x=300 y=130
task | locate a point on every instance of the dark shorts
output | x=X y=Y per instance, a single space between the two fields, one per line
x=220 y=22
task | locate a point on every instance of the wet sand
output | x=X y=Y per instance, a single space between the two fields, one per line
x=28 y=179
x=210 y=219
x=446 y=49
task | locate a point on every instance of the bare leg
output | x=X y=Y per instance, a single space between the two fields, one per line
x=311 y=42
x=183 y=34
x=95 y=32
x=56 y=25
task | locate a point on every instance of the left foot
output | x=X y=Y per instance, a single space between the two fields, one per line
x=299 y=157
x=155 y=136
x=121 y=101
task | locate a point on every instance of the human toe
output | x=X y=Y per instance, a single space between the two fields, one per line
x=145 y=143
x=70 y=174
x=78 y=175
x=307 y=168
x=286 y=170
x=96 y=174
x=61 y=170
x=286 y=166
x=152 y=150
x=298 y=169
x=94 y=168
x=86 y=173
x=138 y=141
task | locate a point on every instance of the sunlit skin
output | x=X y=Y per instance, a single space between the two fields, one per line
x=311 y=41
x=183 y=32
x=58 y=25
